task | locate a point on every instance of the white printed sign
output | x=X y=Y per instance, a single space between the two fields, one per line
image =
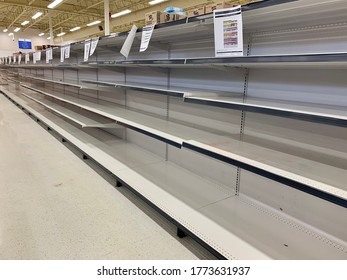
x=129 y=42
x=146 y=37
x=93 y=45
x=86 y=50
x=228 y=30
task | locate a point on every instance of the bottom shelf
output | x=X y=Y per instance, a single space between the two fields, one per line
x=237 y=227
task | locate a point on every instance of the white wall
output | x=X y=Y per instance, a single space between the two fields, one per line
x=9 y=46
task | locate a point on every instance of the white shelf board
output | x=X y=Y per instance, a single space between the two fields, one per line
x=72 y=115
x=53 y=81
x=312 y=110
x=172 y=91
x=323 y=177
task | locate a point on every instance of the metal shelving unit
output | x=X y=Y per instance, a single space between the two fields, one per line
x=245 y=154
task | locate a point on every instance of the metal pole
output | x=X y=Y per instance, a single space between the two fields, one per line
x=107 y=17
x=50 y=30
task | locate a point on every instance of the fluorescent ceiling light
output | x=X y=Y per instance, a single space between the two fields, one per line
x=75 y=28
x=5 y=30
x=48 y=38
x=94 y=22
x=122 y=13
x=16 y=29
x=10 y=34
x=25 y=22
x=54 y=4
x=61 y=34
x=41 y=34
x=37 y=15
x=154 y=2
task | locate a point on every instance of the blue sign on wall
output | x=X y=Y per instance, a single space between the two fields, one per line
x=24 y=44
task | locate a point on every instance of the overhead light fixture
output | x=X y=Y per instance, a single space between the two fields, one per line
x=54 y=4
x=94 y=22
x=41 y=34
x=154 y=2
x=37 y=15
x=5 y=30
x=61 y=34
x=122 y=13
x=25 y=22
x=16 y=29
x=48 y=38
x=75 y=28
x=10 y=34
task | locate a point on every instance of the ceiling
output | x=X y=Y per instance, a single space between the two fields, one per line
x=72 y=13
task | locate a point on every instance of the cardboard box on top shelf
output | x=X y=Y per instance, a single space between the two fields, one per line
x=172 y=17
x=223 y=5
x=210 y=8
x=154 y=17
x=38 y=48
x=196 y=12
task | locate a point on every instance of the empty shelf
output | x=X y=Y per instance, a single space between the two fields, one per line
x=53 y=81
x=236 y=227
x=306 y=175
x=332 y=115
x=321 y=180
x=159 y=128
x=76 y=117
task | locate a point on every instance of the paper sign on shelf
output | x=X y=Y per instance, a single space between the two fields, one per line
x=94 y=43
x=27 y=58
x=19 y=59
x=228 y=32
x=128 y=42
x=38 y=56
x=62 y=53
x=67 y=51
x=49 y=55
x=146 y=37
x=14 y=59
x=86 y=50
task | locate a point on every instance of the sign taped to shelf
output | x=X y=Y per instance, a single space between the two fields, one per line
x=27 y=58
x=19 y=59
x=93 y=45
x=129 y=42
x=146 y=37
x=14 y=59
x=228 y=36
x=49 y=55
x=86 y=50
x=10 y=60
x=64 y=52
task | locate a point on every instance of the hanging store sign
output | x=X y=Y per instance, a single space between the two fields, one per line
x=129 y=42
x=146 y=37
x=228 y=36
x=86 y=50
x=93 y=45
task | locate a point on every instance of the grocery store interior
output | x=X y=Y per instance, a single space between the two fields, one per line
x=173 y=130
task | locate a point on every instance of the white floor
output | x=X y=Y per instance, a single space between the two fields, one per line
x=53 y=205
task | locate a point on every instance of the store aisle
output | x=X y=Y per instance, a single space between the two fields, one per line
x=54 y=206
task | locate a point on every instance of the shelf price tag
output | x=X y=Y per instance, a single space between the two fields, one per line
x=94 y=43
x=86 y=49
x=146 y=37
x=228 y=36
x=129 y=42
